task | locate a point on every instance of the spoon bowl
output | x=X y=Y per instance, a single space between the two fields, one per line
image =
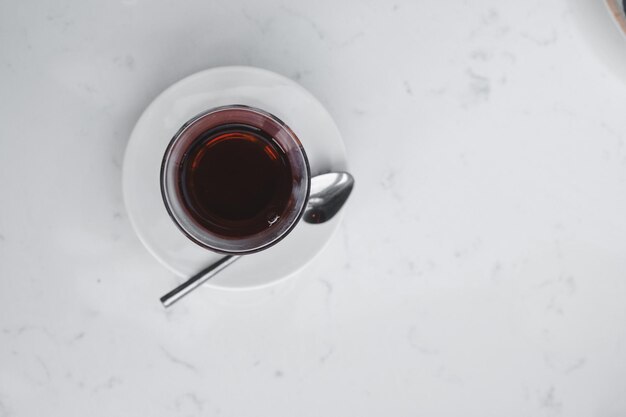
x=329 y=193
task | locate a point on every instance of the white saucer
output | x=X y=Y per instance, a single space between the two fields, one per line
x=168 y=112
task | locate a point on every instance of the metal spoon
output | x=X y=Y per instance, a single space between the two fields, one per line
x=328 y=194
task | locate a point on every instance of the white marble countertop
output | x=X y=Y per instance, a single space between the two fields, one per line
x=480 y=270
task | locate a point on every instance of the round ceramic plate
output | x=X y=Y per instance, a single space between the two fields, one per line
x=161 y=120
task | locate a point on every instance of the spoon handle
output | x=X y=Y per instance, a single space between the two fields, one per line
x=197 y=280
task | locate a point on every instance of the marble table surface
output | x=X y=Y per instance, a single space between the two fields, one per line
x=480 y=269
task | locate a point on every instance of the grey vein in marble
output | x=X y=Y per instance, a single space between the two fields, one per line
x=479 y=86
x=177 y=361
x=415 y=341
x=328 y=354
x=310 y=22
x=549 y=400
x=109 y=384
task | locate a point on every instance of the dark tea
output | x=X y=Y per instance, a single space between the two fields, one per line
x=235 y=180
